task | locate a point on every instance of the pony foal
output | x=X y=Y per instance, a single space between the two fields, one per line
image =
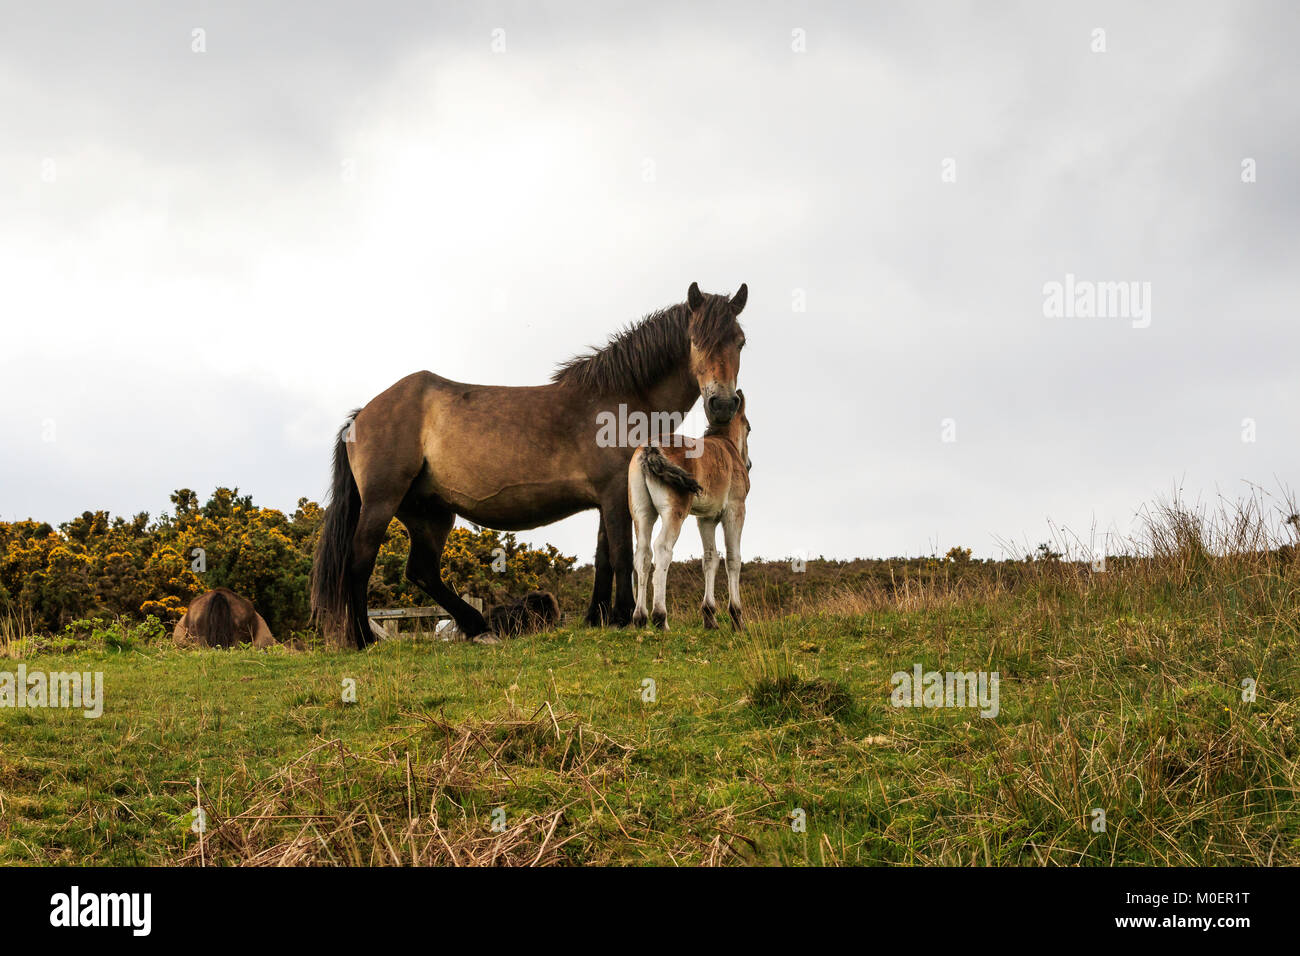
x=709 y=478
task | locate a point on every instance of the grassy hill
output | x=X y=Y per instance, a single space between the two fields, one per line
x=1119 y=691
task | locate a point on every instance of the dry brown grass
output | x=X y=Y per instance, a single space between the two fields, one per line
x=1234 y=555
x=14 y=627
x=386 y=807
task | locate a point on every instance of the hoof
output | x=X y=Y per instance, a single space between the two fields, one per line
x=487 y=637
x=710 y=618
x=639 y=619
x=737 y=619
x=660 y=620
x=596 y=616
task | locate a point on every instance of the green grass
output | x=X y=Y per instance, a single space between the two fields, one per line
x=1136 y=710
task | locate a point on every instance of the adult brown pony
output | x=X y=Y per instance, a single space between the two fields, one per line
x=512 y=458
x=221 y=618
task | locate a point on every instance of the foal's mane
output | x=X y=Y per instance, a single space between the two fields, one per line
x=643 y=353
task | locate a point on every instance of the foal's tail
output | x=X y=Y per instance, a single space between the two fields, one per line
x=331 y=572
x=661 y=469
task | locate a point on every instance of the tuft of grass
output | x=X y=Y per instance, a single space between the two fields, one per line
x=795 y=696
x=15 y=626
x=777 y=686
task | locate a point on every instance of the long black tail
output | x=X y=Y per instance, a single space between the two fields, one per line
x=220 y=621
x=331 y=585
x=654 y=463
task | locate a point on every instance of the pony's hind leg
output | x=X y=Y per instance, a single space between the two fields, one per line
x=383 y=455
x=709 y=537
x=673 y=520
x=733 y=522
x=372 y=526
x=428 y=528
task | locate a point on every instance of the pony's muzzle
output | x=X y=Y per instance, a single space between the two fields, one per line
x=721 y=409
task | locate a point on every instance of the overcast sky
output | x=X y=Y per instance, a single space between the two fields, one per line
x=208 y=257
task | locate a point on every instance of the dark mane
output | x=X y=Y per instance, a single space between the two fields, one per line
x=643 y=354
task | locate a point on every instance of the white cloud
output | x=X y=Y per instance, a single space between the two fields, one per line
x=200 y=265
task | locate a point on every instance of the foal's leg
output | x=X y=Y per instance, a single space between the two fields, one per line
x=733 y=521
x=709 y=535
x=673 y=520
x=641 y=504
x=644 y=524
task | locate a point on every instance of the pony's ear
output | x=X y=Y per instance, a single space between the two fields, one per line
x=740 y=298
x=694 y=297
x=740 y=394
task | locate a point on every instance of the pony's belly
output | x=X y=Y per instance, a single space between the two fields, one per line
x=706 y=506
x=511 y=519
x=516 y=507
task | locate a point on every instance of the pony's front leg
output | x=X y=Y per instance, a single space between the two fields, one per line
x=602 y=587
x=663 y=557
x=618 y=528
x=733 y=522
x=709 y=537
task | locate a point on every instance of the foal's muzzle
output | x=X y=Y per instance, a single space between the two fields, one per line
x=720 y=409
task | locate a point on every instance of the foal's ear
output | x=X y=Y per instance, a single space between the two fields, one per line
x=694 y=297
x=740 y=298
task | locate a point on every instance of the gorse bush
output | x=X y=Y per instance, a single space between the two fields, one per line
x=99 y=566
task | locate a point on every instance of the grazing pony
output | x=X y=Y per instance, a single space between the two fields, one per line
x=429 y=449
x=221 y=618
x=535 y=611
x=709 y=479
